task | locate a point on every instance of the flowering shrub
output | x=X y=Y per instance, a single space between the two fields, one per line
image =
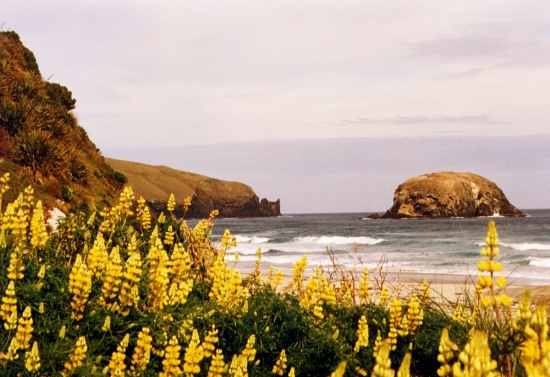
x=119 y=293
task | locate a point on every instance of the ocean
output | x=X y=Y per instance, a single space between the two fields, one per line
x=447 y=246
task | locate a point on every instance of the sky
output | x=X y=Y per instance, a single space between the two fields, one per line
x=288 y=84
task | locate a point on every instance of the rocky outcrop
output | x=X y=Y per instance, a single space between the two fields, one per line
x=449 y=194
x=41 y=142
x=232 y=199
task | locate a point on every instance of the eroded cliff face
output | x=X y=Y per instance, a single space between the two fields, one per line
x=450 y=194
x=232 y=199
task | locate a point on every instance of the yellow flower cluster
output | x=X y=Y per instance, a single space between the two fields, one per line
x=280 y=366
x=535 y=350
x=158 y=275
x=142 y=352
x=447 y=354
x=362 y=334
x=15 y=267
x=98 y=257
x=76 y=358
x=117 y=364
x=318 y=291
x=111 y=281
x=217 y=366
x=171 y=204
x=39 y=234
x=32 y=359
x=193 y=356
x=171 y=363
x=298 y=270
x=395 y=321
x=129 y=290
x=227 y=287
x=364 y=287
x=487 y=267
x=80 y=286
x=475 y=359
x=8 y=309
x=210 y=342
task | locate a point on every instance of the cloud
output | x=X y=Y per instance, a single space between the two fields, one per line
x=466 y=46
x=422 y=119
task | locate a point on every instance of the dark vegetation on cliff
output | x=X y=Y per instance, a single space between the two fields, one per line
x=41 y=142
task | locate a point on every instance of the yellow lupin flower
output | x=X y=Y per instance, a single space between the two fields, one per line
x=238 y=366
x=227 y=241
x=447 y=353
x=384 y=297
x=210 y=342
x=39 y=234
x=16 y=266
x=8 y=309
x=227 y=287
x=129 y=290
x=535 y=350
x=158 y=276
x=106 y=324
x=142 y=352
x=340 y=370
x=382 y=366
x=112 y=281
x=24 y=330
x=117 y=364
x=405 y=367
x=171 y=363
x=475 y=359
x=298 y=270
x=180 y=263
x=364 y=286
x=249 y=350
x=280 y=366
x=32 y=359
x=362 y=334
x=319 y=290
x=80 y=286
x=98 y=256
x=77 y=357
x=193 y=356
x=171 y=204
x=415 y=314
x=62 y=332
x=395 y=321
x=217 y=366
x=169 y=236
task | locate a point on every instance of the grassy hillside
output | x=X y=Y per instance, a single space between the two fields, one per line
x=40 y=139
x=155 y=183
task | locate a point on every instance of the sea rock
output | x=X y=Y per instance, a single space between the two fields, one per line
x=450 y=194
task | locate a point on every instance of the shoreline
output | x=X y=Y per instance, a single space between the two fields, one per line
x=444 y=286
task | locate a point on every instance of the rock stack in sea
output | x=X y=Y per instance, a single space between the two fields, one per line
x=450 y=194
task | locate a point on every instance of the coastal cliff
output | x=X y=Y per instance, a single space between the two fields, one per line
x=232 y=199
x=450 y=194
x=41 y=141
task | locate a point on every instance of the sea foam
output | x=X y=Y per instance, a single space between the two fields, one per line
x=339 y=240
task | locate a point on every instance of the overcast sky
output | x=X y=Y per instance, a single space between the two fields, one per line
x=177 y=73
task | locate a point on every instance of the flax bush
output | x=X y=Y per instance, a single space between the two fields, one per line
x=119 y=293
